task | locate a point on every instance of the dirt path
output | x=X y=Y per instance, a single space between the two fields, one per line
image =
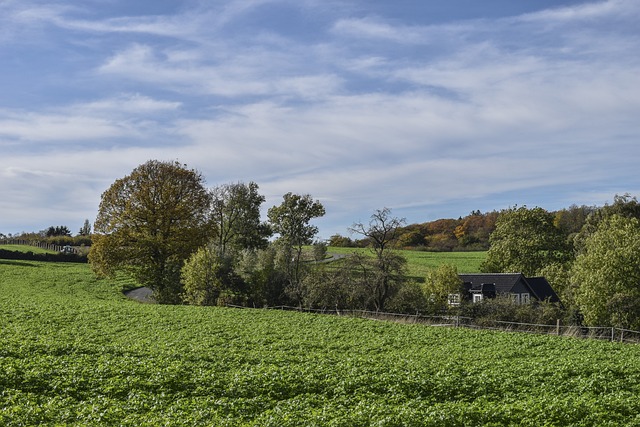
x=141 y=294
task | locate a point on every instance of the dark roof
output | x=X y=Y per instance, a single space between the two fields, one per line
x=504 y=282
x=542 y=289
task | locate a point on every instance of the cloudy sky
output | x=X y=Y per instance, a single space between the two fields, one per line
x=430 y=108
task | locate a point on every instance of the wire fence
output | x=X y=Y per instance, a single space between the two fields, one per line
x=574 y=331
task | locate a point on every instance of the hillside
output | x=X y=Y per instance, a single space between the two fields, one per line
x=75 y=351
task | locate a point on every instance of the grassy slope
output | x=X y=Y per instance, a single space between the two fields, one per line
x=419 y=263
x=73 y=350
x=26 y=248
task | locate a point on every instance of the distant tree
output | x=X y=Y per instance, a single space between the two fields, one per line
x=525 y=241
x=235 y=217
x=385 y=274
x=291 y=221
x=58 y=231
x=607 y=274
x=625 y=206
x=86 y=229
x=149 y=223
x=571 y=220
x=339 y=241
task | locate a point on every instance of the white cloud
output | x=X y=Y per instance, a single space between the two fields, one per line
x=374 y=112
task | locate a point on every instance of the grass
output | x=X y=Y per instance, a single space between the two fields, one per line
x=26 y=248
x=75 y=351
x=419 y=263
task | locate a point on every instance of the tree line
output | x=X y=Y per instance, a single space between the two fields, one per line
x=193 y=245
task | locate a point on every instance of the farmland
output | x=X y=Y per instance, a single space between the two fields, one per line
x=74 y=351
x=420 y=262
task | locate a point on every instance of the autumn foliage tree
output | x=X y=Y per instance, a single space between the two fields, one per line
x=148 y=223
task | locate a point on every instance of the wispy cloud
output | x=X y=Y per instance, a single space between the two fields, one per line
x=367 y=111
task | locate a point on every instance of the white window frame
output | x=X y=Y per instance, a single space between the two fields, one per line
x=515 y=298
x=477 y=298
x=525 y=298
x=453 y=299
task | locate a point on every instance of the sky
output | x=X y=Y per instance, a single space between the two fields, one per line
x=432 y=109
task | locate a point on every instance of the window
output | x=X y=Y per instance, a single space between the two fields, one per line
x=454 y=299
x=525 y=299
x=515 y=298
x=477 y=297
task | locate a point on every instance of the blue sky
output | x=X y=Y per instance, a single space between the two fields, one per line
x=430 y=108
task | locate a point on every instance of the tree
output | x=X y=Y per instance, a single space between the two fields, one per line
x=235 y=217
x=625 y=205
x=440 y=283
x=209 y=279
x=86 y=229
x=58 y=231
x=525 y=241
x=149 y=223
x=385 y=274
x=291 y=220
x=607 y=274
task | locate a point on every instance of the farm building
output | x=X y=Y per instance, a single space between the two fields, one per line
x=523 y=290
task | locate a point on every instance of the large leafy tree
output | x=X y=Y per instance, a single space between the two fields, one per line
x=607 y=274
x=235 y=217
x=525 y=241
x=148 y=223
x=384 y=275
x=291 y=220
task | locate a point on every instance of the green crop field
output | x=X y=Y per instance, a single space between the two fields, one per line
x=419 y=263
x=75 y=351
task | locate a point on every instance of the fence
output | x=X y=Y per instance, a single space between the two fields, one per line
x=38 y=244
x=591 y=332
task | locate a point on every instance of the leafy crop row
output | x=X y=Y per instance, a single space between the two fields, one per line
x=74 y=351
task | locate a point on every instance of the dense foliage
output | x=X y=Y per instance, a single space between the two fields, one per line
x=148 y=223
x=608 y=271
x=75 y=352
x=525 y=241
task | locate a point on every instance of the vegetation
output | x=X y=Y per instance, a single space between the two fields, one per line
x=470 y=233
x=608 y=271
x=235 y=217
x=420 y=263
x=26 y=248
x=209 y=247
x=75 y=352
x=149 y=223
x=383 y=274
x=291 y=221
x=525 y=241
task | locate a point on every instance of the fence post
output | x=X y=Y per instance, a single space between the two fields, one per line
x=558 y=327
x=613 y=334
